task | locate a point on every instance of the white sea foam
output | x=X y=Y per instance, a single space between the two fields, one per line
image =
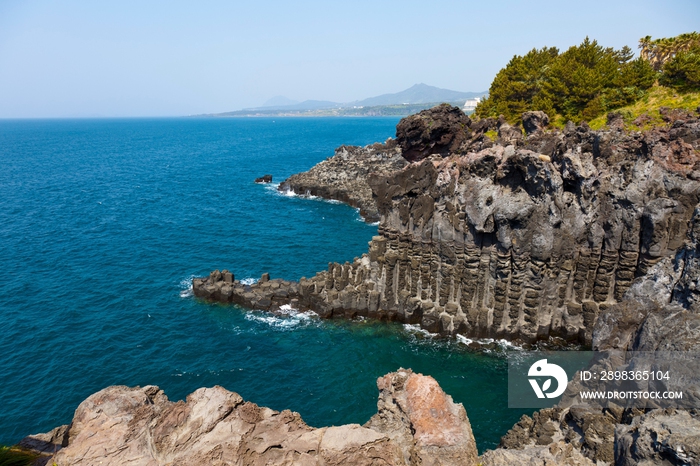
x=288 y=193
x=416 y=329
x=186 y=287
x=249 y=281
x=286 y=318
x=504 y=344
x=465 y=340
x=509 y=345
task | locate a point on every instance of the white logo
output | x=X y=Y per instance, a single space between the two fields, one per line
x=542 y=369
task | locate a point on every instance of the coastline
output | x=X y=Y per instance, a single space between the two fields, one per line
x=506 y=242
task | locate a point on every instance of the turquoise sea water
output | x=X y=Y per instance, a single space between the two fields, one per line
x=103 y=223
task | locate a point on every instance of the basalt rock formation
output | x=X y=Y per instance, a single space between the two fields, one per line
x=659 y=312
x=344 y=177
x=525 y=238
x=416 y=424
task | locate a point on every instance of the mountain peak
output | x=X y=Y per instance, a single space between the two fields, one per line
x=420 y=93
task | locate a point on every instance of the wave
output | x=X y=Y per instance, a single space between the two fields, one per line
x=186 y=290
x=249 y=281
x=486 y=342
x=417 y=330
x=286 y=318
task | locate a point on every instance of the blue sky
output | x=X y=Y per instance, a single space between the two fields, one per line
x=75 y=58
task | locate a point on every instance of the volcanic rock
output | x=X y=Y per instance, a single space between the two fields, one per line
x=535 y=121
x=345 y=176
x=658 y=313
x=439 y=130
x=264 y=179
x=660 y=437
x=526 y=241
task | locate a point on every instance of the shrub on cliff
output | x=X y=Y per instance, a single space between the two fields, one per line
x=585 y=81
x=682 y=72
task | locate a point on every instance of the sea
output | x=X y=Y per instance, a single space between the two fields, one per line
x=103 y=224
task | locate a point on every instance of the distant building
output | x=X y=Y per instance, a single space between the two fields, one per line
x=471 y=104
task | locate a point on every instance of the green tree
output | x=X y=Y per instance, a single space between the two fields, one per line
x=578 y=78
x=581 y=83
x=516 y=86
x=683 y=70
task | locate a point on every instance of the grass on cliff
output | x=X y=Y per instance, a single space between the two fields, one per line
x=12 y=456
x=644 y=113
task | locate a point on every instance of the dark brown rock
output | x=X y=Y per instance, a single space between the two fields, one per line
x=615 y=121
x=264 y=179
x=439 y=130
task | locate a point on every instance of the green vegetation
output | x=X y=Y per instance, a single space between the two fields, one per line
x=12 y=456
x=682 y=72
x=644 y=113
x=658 y=52
x=590 y=80
x=491 y=134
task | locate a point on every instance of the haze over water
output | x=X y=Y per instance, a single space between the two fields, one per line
x=103 y=223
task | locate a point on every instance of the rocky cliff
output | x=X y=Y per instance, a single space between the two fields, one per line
x=523 y=237
x=416 y=424
x=658 y=313
x=344 y=177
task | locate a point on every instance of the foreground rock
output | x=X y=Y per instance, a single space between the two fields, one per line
x=345 y=176
x=416 y=423
x=530 y=238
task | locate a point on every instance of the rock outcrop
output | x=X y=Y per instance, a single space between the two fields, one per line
x=345 y=176
x=526 y=239
x=416 y=424
x=659 y=438
x=264 y=179
x=440 y=130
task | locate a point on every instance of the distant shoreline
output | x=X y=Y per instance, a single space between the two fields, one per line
x=398 y=110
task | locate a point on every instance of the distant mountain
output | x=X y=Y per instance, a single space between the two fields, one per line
x=279 y=101
x=413 y=99
x=418 y=94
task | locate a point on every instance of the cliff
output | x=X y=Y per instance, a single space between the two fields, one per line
x=526 y=237
x=660 y=312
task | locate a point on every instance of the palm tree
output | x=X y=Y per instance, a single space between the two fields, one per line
x=659 y=51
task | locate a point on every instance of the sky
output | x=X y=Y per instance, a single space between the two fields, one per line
x=80 y=58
